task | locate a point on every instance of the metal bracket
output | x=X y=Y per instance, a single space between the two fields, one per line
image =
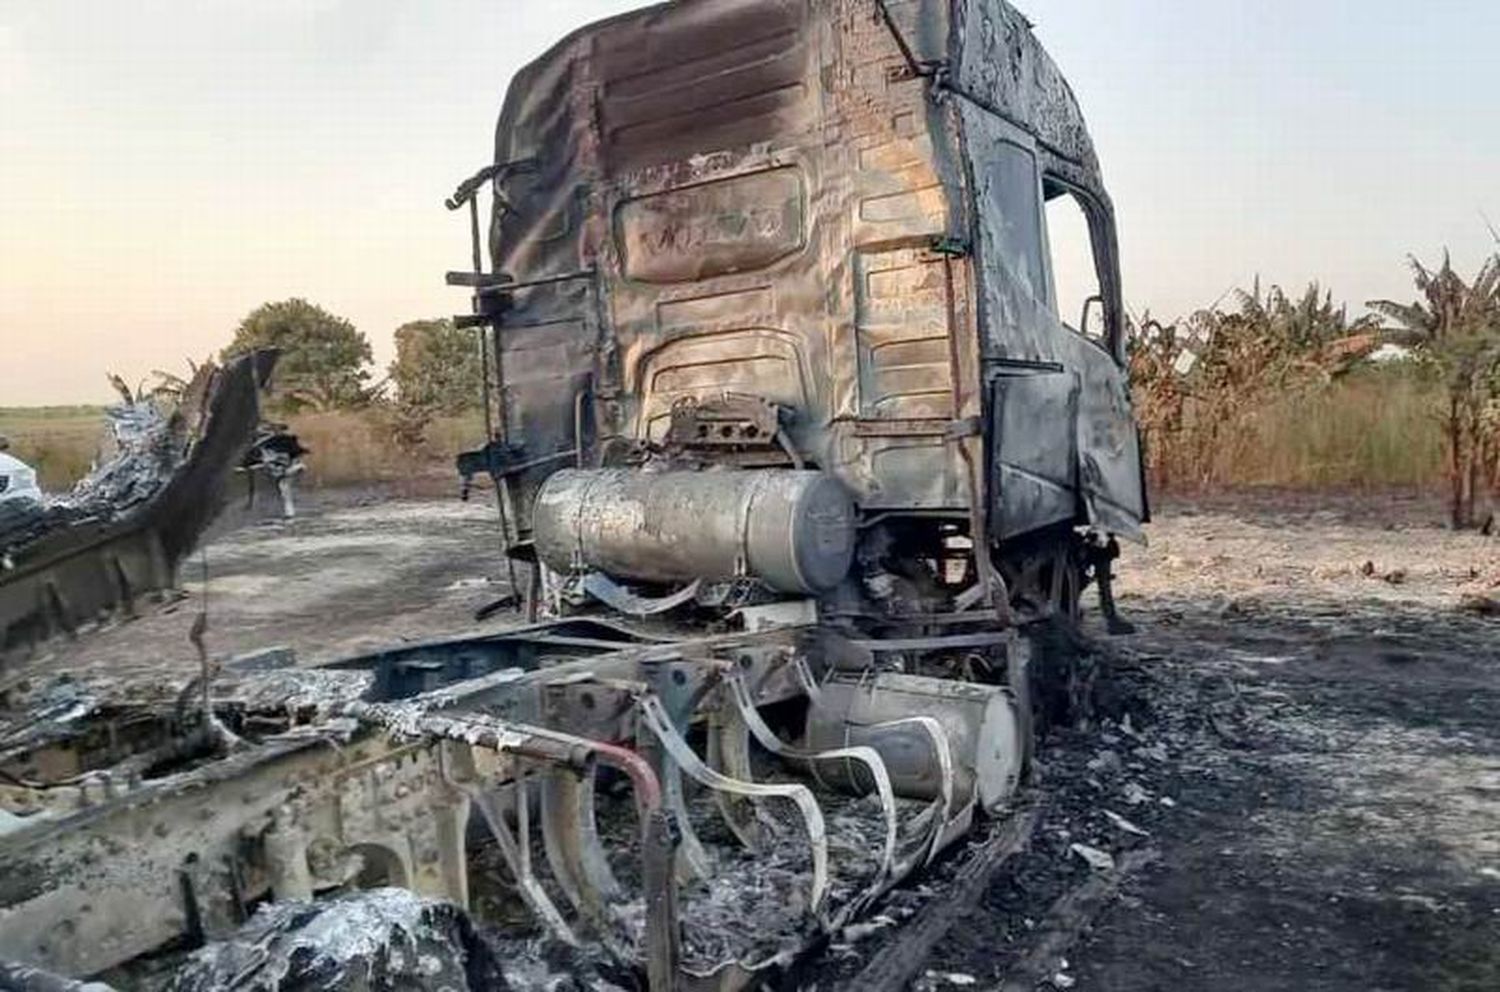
x=654 y=716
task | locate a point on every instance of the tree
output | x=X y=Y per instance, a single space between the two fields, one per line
x=323 y=357
x=437 y=366
x=1455 y=327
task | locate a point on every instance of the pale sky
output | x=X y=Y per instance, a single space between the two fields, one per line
x=167 y=165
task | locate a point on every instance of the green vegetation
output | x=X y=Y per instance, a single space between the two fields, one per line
x=437 y=366
x=324 y=359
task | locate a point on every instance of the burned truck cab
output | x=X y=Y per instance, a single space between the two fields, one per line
x=791 y=236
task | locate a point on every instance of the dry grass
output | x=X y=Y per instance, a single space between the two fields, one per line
x=60 y=442
x=357 y=447
x=1375 y=428
x=348 y=448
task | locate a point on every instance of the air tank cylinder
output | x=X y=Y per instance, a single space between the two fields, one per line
x=985 y=735
x=793 y=530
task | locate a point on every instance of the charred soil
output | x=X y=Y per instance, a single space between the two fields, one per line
x=1307 y=747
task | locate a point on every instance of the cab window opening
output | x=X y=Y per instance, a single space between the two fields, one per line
x=1078 y=285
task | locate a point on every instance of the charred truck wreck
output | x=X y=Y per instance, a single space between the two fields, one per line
x=118 y=538
x=791 y=447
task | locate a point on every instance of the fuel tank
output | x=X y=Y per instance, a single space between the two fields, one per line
x=792 y=530
x=979 y=722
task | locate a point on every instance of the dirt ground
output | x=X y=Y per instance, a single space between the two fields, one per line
x=1313 y=747
x=353 y=573
x=1301 y=743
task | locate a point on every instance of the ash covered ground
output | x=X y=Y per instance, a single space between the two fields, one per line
x=1312 y=747
x=1297 y=756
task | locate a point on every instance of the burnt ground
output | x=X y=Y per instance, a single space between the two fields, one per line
x=1313 y=746
x=356 y=571
x=1305 y=730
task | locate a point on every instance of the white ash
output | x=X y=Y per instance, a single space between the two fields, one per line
x=754 y=905
x=300 y=690
x=376 y=939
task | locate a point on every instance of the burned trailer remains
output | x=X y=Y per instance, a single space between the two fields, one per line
x=120 y=535
x=484 y=765
x=774 y=366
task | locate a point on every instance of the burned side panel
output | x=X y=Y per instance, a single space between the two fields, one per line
x=121 y=538
x=550 y=353
x=1022 y=131
x=1035 y=476
x=1002 y=67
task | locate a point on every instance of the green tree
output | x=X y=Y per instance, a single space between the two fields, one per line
x=323 y=357
x=437 y=366
x=1455 y=327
